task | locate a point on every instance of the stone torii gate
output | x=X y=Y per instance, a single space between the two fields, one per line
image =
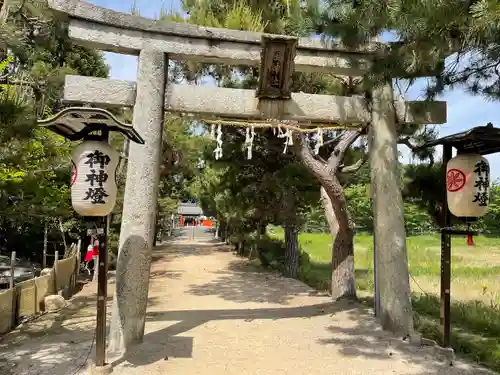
x=155 y=43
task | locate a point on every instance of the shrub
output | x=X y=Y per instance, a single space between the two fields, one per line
x=272 y=253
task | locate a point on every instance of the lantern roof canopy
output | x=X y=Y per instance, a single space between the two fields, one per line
x=482 y=140
x=76 y=123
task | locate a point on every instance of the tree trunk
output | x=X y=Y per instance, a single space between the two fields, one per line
x=255 y=248
x=343 y=275
x=343 y=283
x=221 y=224
x=329 y=213
x=226 y=233
x=157 y=228
x=4 y=11
x=217 y=229
x=241 y=248
x=292 y=252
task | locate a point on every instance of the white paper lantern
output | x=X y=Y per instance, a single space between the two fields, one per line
x=93 y=186
x=468 y=185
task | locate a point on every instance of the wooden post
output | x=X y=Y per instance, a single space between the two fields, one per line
x=12 y=269
x=77 y=262
x=445 y=311
x=95 y=277
x=12 y=287
x=63 y=236
x=255 y=248
x=54 y=267
x=102 y=293
x=45 y=239
x=376 y=292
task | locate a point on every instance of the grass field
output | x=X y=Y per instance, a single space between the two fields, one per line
x=475 y=289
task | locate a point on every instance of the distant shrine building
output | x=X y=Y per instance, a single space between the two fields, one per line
x=189 y=213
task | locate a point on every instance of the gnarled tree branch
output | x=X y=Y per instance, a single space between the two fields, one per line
x=354 y=167
x=333 y=140
x=346 y=140
x=302 y=148
x=406 y=141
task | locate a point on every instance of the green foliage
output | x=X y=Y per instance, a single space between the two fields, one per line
x=180 y=171
x=239 y=17
x=35 y=167
x=272 y=187
x=429 y=32
x=491 y=221
x=278 y=17
x=314 y=219
x=272 y=253
x=360 y=207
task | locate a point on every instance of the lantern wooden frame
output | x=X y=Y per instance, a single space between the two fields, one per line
x=76 y=123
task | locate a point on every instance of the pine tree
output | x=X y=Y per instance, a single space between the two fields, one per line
x=427 y=32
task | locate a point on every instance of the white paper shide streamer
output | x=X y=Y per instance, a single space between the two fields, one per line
x=288 y=139
x=250 y=135
x=288 y=135
x=93 y=185
x=280 y=132
x=218 y=149
x=212 y=131
x=319 y=141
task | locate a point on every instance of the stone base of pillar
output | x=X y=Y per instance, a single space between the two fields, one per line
x=99 y=370
x=447 y=355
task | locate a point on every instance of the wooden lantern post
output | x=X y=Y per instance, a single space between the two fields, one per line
x=481 y=140
x=93 y=124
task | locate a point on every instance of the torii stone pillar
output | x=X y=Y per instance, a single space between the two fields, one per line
x=139 y=206
x=393 y=284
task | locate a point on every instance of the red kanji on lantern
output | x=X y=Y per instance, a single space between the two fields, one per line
x=75 y=174
x=455 y=180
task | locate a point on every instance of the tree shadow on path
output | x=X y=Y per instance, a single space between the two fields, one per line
x=56 y=343
x=353 y=336
x=362 y=337
x=165 y=343
x=170 y=251
x=243 y=282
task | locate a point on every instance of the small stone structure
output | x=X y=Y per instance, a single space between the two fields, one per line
x=155 y=42
x=54 y=303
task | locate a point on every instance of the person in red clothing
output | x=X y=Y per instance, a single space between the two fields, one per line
x=91 y=255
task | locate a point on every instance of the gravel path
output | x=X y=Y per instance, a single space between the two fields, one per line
x=211 y=313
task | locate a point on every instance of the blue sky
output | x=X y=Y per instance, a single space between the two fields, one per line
x=464 y=111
